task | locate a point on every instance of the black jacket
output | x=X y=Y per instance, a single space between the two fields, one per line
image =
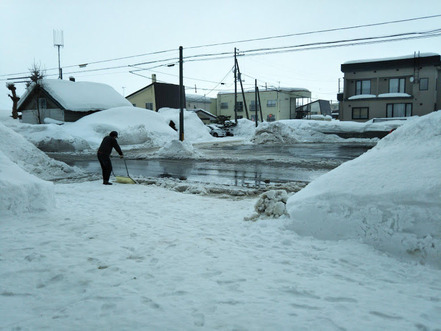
x=107 y=144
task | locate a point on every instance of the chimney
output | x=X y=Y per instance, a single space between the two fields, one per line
x=72 y=78
x=153 y=78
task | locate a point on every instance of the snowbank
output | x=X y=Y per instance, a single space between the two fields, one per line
x=389 y=197
x=177 y=149
x=194 y=128
x=244 y=128
x=22 y=192
x=31 y=159
x=135 y=126
x=303 y=131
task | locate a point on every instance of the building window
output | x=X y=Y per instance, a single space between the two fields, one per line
x=424 y=84
x=360 y=113
x=271 y=103
x=149 y=105
x=362 y=87
x=397 y=85
x=398 y=110
x=253 y=106
x=270 y=118
x=224 y=105
x=239 y=106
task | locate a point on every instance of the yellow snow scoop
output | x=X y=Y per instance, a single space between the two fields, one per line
x=124 y=179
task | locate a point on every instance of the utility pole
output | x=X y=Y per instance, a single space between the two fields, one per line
x=255 y=102
x=181 y=95
x=243 y=92
x=235 y=85
x=260 y=104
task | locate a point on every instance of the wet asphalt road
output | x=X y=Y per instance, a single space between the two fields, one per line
x=239 y=165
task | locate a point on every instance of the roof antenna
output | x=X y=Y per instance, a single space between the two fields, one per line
x=59 y=42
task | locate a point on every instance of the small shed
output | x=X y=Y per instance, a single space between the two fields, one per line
x=204 y=115
x=66 y=100
x=318 y=107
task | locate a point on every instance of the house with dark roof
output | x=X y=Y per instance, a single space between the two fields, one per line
x=66 y=100
x=156 y=96
x=390 y=87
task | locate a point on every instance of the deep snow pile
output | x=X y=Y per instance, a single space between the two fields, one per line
x=194 y=128
x=390 y=197
x=138 y=128
x=31 y=159
x=178 y=149
x=22 y=192
x=135 y=126
x=313 y=131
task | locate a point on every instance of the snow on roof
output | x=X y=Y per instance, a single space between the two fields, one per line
x=393 y=58
x=203 y=111
x=271 y=89
x=81 y=96
x=197 y=98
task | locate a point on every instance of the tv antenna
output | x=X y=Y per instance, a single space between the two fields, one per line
x=59 y=42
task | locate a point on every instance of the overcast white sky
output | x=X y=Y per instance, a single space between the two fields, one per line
x=97 y=30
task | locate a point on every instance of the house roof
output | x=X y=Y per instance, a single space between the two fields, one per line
x=272 y=89
x=152 y=84
x=197 y=98
x=199 y=110
x=79 y=96
x=396 y=62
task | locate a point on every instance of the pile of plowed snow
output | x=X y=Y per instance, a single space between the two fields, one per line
x=390 y=197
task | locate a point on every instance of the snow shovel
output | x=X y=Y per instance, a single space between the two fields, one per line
x=123 y=179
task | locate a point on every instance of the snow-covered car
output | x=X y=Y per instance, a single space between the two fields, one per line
x=216 y=131
x=228 y=127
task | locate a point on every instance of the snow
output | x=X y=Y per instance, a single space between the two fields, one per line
x=80 y=96
x=404 y=57
x=383 y=95
x=357 y=249
x=178 y=149
x=390 y=197
x=24 y=192
x=362 y=96
x=394 y=95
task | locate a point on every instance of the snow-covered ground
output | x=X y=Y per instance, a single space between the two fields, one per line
x=358 y=249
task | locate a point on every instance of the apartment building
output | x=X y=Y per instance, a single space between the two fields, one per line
x=276 y=103
x=390 y=87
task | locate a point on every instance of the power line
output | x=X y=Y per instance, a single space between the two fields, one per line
x=348 y=42
x=318 y=31
x=246 y=41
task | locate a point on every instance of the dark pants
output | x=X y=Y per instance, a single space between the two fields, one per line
x=106 y=166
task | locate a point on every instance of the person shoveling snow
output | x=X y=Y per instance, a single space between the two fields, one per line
x=107 y=145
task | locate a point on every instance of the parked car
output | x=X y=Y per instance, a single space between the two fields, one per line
x=216 y=131
x=228 y=127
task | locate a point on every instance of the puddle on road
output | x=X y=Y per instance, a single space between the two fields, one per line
x=237 y=174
